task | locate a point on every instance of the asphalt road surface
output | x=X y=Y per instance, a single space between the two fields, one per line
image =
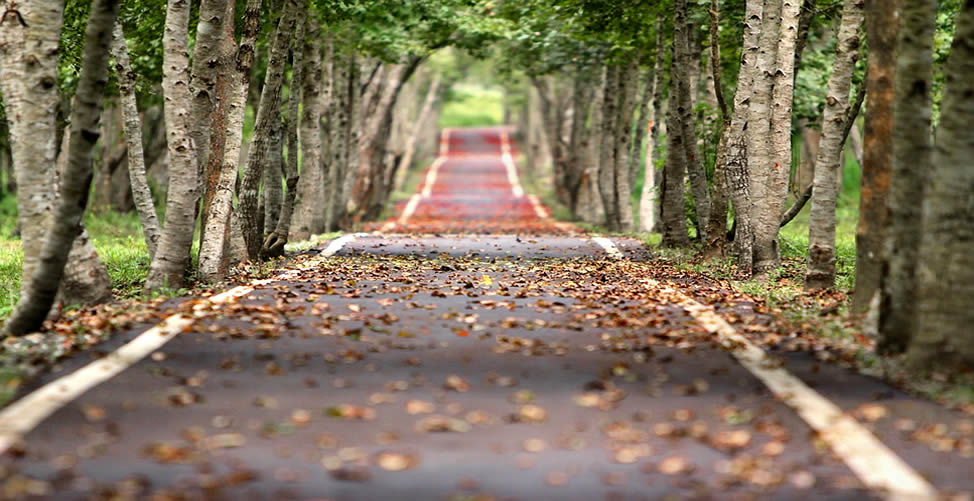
x=475 y=349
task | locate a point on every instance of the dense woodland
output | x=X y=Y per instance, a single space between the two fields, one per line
x=234 y=128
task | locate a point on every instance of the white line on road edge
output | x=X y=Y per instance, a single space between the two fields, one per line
x=22 y=416
x=445 y=143
x=508 y=161
x=337 y=244
x=870 y=459
x=431 y=176
x=538 y=208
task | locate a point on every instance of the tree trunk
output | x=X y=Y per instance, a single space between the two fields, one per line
x=590 y=207
x=215 y=244
x=344 y=88
x=275 y=242
x=40 y=293
x=610 y=115
x=308 y=217
x=628 y=88
x=759 y=146
x=169 y=265
x=647 y=196
x=674 y=216
x=268 y=117
x=28 y=77
x=686 y=93
x=912 y=152
x=737 y=169
x=821 y=224
x=271 y=195
x=882 y=26
x=133 y=139
x=716 y=229
x=578 y=140
x=943 y=338
x=406 y=162
x=207 y=65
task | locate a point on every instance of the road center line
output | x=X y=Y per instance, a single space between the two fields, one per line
x=23 y=415
x=877 y=466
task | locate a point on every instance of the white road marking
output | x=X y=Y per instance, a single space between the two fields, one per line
x=508 y=161
x=445 y=143
x=22 y=416
x=410 y=209
x=877 y=466
x=538 y=208
x=337 y=244
x=431 y=176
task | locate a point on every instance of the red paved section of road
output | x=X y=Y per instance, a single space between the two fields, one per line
x=473 y=187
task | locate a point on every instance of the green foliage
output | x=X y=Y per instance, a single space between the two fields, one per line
x=472 y=105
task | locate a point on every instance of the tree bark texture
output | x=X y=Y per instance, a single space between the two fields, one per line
x=912 y=152
x=277 y=239
x=590 y=208
x=41 y=291
x=943 y=337
x=344 y=88
x=820 y=273
x=207 y=65
x=268 y=117
x=607 y=186
x=350 y=169
x=271 y=195
x=133 y=140
x=716 y=230
x=737 y=167
x=215 y=244
x=308 y=217
x=685 y=94
x=882 y=27
x=412 y=142
x=628 y=88
x=169 y=265
x=647 y=196
x=673 y=218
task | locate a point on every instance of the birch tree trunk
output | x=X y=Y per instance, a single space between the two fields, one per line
x=943 y=337
x=406 y=162
x=716 y=229
x=351 y=169
x=821 y=225
x=207 y=65
x=686 y=92
x=133 y=140
x=343 y=89
x=674 y=216
x=308 y=217
x=737 y=171
x=268 y=115
x=590 y=207
x=271 y=196
x=644 y=126
x=578 y=138
x=912 y=151
x=169 y=265
x=649 y=198
x=882 y=25
x=628 y=88
x=759 y=145
x=277 y=239
x=215 y=245
x=610 y=114
x=41 y=291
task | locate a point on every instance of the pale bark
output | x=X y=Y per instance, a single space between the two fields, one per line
x=607 y=151
x=268 y=113
x=28 y=81
x=674 y=215
x=406 y=162
x=737 y=162
x=41 y=291
x=686 y=93
x=716 y=229
x=820 y=273
x=308 y=216
x=943 y=338
x=278 y=236
x=590 y=207
x=169 y=265
x=578 y=139
x=344 y=88
x=271 y=197
x=882 y=26
x=628 y=87
x=133 y=139
x=912 y=151
x=647 y=202
x=207 y=65
x=760 y=145
x=351 y=169
x=215 y=246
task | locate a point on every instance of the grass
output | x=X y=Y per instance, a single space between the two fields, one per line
x=472 y=106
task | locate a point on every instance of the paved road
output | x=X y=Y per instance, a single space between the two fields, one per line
x=515 y=361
